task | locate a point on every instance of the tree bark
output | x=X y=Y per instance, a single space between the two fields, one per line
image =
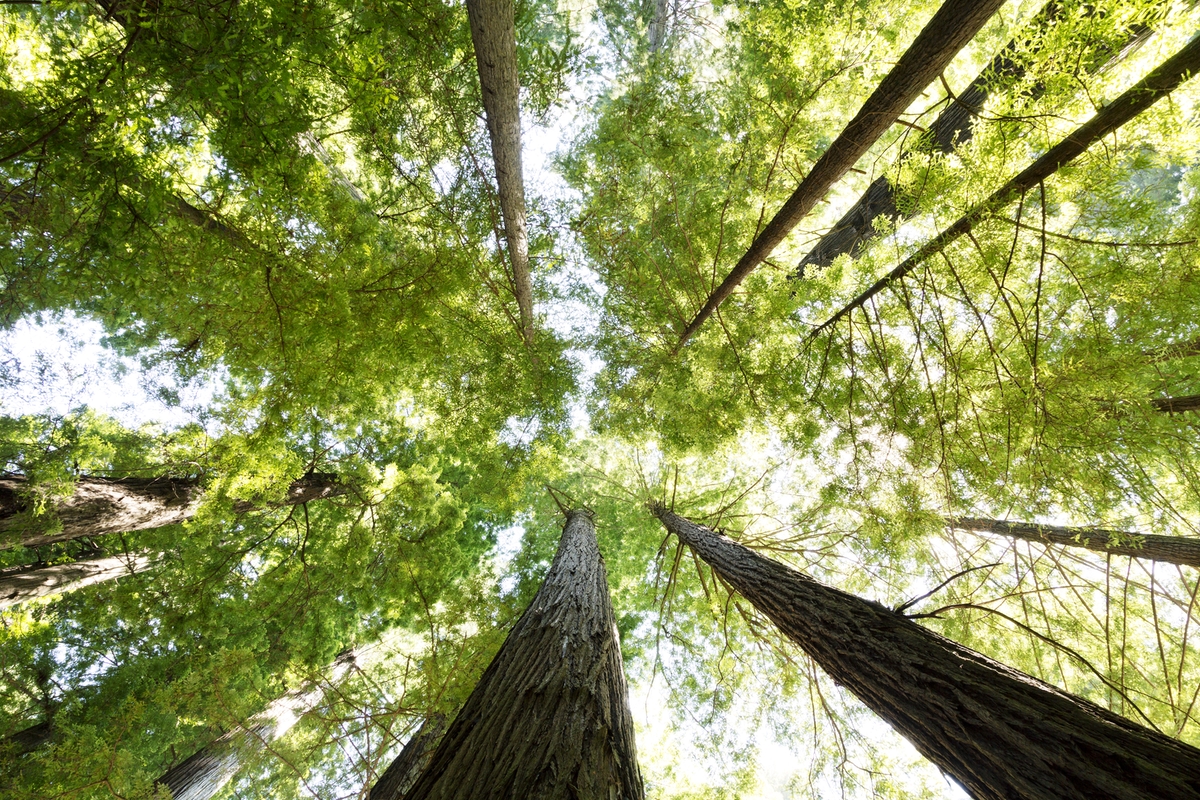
x=1158 y=84
x=550 y=716
x=1000 y=733
x=29 y=584
x=107 y=505
x=1184 y=550
x=28 y=739
x=204 y=773
x=413 y=759
x=954 y=24
x=494 y=34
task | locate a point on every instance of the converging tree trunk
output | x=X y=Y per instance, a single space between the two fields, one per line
x=106 y=505
x=1002 y=734
x=494 y=33
x=25 y=584
x=1183 y=550
x=413 y=759
x=954 y=24
x=550 y=717
x=206 y=772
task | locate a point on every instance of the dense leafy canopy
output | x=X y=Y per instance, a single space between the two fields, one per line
x=292 y=202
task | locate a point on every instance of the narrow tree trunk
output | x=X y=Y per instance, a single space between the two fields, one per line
x=105 y=505
x=1183 y=550
x=550 y=717
x=1000 y=733
x=29 y=584
x=656 y=31
x=1145 y=93
x=494 y=33
x=413 y=759
x=206 y=772
x=954 y=24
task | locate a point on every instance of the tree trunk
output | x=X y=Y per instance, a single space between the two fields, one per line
x=550 y=717
x=1145 y=93
x=105 y=505
x=1183 y=550
x=29 y=584
x=494 y=33
x=206 y=772
x=954 y=24
x=1000 y=733
x=28 y=739
x=405 y=768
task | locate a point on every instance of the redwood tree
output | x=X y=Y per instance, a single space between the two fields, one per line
x=29 y=583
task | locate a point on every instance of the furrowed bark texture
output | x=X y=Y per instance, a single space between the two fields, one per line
x=205 y=772
x=550 y=716
x=413 y=759
x=1158 y=84
x=104 y=505
x=30 y=584
x=494 y=33
x=954 y=24
x=1000 y=733
x=1183 y=550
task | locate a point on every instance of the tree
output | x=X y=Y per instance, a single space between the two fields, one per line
x=550 y=716
x=412 y=761
x=30 y=583
x=997 y=732
x=1184 y=550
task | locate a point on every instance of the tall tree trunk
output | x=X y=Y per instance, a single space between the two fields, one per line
x=413 y=760
x=29 y=584
x=206 y=772
x=550 y=716
x=1158 y=84
x=494 y=33
x=1000 y=733
x=107 y=505
x=1183 y=550
x=28 y=739
x=954 y=24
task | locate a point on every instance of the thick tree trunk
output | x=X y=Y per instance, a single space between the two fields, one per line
x=413 y=760
x=1158 y=84
x=550 y=717
x=105 y=505
x=29 y=584
x=494 y=33
x=1000 y=733
x=28 y=739
x=1183 y=550
x=206 y=772
x=954 y=24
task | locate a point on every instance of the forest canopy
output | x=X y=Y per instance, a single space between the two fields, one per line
x=899 y=296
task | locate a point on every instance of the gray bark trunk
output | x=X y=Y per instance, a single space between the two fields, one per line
x=494 y=33
x=550 y=716
x=413 y=760
x=1000 y=733
x=30 y=584
x=954 y=24
x=1183 y=550
x=1158 y=84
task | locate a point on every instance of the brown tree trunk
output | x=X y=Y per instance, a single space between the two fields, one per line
x=550 y=716
x=1158 y=84
x=494 y=33
x=1183 y=550
x=413 y=760
x=106 y=505
x=954 y=24
x=23 y=585
x=1000 y=733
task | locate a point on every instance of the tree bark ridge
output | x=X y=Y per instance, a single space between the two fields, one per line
x=29 y=584
x=1184 y=550
x=412 y=760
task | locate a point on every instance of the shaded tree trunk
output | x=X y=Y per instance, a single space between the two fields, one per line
x=29 y=739
x=413 y=760
x=954 y=24
x=550 y=716
x=494 y=34
x=1183 y=550
x=204 y=773
x=27 y=584
x=107 y=505
x=1158 y=84
x=1000 y=733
